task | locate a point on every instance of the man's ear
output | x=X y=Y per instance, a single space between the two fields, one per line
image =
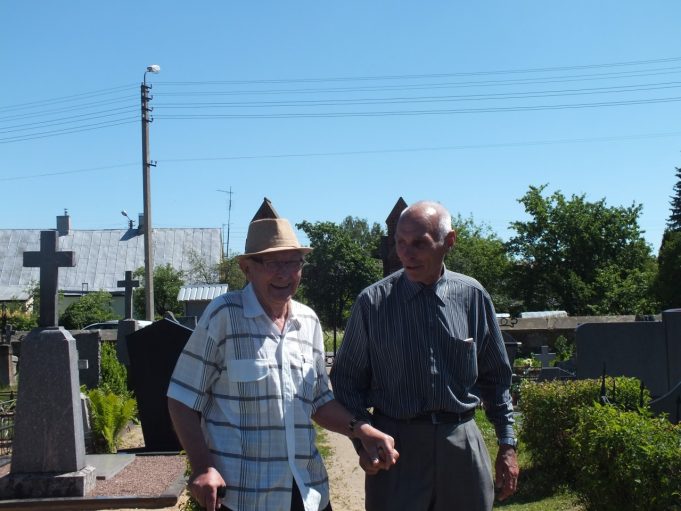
x=450 y=240
x=243 y=265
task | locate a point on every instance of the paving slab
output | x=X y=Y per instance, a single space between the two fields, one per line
x=108 y=465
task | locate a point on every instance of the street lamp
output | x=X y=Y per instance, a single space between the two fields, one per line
x=146 y=185
x=130 y=222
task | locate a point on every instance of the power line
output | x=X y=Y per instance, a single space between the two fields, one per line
x=441 y=75
x=422 y=99
x=363 y=152
x=67 y=131
x=391 y=113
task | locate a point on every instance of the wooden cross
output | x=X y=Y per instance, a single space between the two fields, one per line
x=129 y=285
x=49 y=260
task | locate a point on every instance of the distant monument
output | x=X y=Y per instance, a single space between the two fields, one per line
x=391 y=263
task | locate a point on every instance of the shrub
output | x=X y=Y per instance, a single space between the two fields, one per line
x=110 y=414
x=91 y=308
x=628 y=461
x=550 y=411
x=114 y=374
x=22 y=320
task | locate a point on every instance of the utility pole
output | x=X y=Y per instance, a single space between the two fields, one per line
x=146 y=192
x=229 y=216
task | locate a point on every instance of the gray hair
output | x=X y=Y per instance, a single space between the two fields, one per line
x=444 y=218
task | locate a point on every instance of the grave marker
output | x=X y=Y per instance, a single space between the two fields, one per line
x=48 y=451
x=129 y=284
x=49 y=260
x=545 y=357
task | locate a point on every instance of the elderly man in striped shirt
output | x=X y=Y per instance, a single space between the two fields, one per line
x=249 y=380
x=421 y=348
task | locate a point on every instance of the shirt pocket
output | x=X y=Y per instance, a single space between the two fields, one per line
x=463 y=354
x=247 y=370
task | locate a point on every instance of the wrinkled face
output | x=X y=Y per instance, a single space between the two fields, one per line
x=422 y=256
x=275 y=277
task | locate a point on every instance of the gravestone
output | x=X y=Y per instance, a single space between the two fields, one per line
x=88 y=344
x=48 y=451
x=7 y=368
x=129 y=284
x=153 y=353
x=647 y=350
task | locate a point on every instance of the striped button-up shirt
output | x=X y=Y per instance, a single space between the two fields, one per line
x=410 y=349
x=256 y=389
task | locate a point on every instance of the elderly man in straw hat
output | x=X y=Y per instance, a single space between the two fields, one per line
x=249 y=380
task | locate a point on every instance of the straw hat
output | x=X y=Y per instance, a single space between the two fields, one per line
x=271 y=235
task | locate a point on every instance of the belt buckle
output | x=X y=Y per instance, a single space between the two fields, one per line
x=434 y=418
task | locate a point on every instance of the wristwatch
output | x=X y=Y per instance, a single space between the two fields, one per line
x=353 y=424
x=510 y=441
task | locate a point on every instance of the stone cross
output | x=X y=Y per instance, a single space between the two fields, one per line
x=545 y=357
x=49 y=260
x=129 y=285
x=7 y=334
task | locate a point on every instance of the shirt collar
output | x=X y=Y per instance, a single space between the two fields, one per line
x=411 y=289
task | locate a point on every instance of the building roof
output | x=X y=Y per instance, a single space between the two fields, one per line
x=201 y=292
x=102 y=256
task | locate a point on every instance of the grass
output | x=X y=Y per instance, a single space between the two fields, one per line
x=323 y=442
x=535 y=492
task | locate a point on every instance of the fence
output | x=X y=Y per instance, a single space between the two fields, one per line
x=8 y=404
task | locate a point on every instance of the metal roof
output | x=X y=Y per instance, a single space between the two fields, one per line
x=102 y=256
x=201 y=292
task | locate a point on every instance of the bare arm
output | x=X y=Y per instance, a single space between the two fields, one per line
x=205 y=479
x=379 y=446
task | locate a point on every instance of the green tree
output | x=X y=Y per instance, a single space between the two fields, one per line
x=481 y=254
x=91 y=308
x=674 y=222
x=667 y=287
x=200 y=270
x=231 y=274
x=167 y=284
x=368 y=238
x=338 y=269
x=572 y=252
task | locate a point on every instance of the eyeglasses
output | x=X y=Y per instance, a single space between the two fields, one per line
x=280 y=266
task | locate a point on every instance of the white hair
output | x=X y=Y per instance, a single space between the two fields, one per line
x=444 y=218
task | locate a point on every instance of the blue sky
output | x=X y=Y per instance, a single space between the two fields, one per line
x=335 y=109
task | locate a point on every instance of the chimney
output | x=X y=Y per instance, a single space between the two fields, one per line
x=140 y=223
x=64 y=224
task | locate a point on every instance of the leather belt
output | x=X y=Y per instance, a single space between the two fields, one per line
x=436 y=417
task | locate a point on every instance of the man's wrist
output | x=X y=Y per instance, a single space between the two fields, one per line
x=508 y=441
x=354 y=425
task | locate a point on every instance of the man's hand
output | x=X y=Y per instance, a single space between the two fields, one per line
x=369 y=465
x=204 y=488
x=378 y=451
x=506 y=472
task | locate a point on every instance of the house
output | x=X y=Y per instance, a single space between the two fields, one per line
x=101 y=256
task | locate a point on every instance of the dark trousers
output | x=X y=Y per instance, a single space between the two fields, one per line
x=296 y=501
x=442 y=467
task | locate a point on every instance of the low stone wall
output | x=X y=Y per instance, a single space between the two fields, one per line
x=533 y=333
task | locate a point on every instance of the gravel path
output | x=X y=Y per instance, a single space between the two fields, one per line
x=345 y=476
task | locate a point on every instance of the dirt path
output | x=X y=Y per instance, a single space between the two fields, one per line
x=346 y=478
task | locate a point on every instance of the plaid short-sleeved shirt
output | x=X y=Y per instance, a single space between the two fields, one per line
x=256 y=389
